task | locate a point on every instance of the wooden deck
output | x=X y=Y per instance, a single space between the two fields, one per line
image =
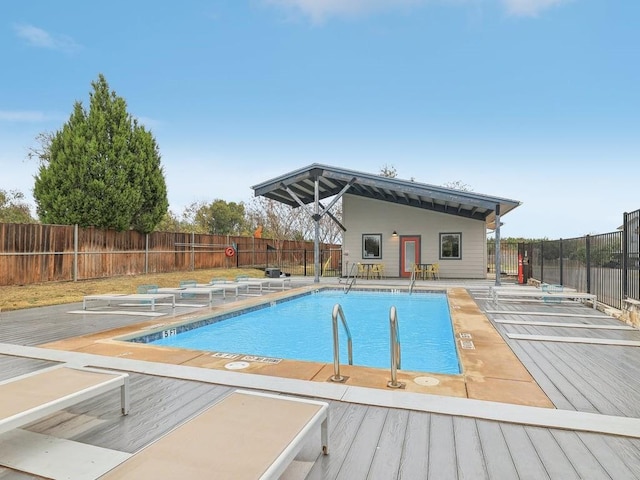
x=377 y=442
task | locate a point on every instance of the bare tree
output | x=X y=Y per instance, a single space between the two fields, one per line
x=458 y=185
x=388 y=171
x=282 y=222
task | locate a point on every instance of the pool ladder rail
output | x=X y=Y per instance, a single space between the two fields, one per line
x=337 y=311
x=396 y=355
x=412 y=280
x=394 y=335
x=351 y=278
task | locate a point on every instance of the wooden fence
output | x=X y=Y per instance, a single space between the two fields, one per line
x=35 y=253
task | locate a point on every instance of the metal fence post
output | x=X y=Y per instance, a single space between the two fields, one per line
x=498 y=258
x=561 y=262
x=625 y=255
x=588 y=261
x=305 y=262
x=542 y=261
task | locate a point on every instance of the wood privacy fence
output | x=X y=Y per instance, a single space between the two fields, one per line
x=35 y=253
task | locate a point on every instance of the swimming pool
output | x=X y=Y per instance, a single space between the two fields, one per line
x=301 y=329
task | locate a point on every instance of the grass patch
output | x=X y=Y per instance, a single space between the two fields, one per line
x=17 y=297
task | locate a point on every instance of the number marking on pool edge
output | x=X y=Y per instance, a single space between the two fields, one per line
x=251 y=358
x=465 y=335
x=225 y=355
x=467 y=344
x=169 y=333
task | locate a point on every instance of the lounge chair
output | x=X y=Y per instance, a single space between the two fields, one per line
x=140 y=299
x=227 y=285
x=256 y=283
x=546 y=296
x=246 y=435
x=33 y=396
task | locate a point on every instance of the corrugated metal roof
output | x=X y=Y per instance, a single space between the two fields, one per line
x=332 y=180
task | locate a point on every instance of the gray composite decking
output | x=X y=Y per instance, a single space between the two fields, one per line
x=373 y=442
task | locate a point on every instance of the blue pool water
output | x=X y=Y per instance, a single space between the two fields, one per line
x=301 y=329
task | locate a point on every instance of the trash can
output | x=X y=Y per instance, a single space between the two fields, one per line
x=272 y=272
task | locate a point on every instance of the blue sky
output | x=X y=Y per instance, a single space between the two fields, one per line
x=533 y=100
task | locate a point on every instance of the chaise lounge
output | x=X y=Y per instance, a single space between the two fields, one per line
x=245 y=436
x=35 y=395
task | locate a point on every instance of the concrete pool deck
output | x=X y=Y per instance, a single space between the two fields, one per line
x=490 y=369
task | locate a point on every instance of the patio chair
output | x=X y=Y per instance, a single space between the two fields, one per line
x=377 y=270
x=246 y=435
x=362 y=270
x=434 y=271
x=418 y=271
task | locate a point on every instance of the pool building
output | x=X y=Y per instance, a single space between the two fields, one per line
x=398 y=223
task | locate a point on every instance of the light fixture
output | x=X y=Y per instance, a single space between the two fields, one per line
x=394 y=234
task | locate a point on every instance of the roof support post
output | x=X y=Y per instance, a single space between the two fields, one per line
x=497 y=246
x=316 y=240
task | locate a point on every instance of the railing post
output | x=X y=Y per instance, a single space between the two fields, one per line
x=625 y=254
x=305 y=262
x=588 y=262
x=498 y=258
x=542 y=261
x=561 y=262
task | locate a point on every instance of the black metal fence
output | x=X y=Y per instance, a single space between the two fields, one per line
x=301 y=262
x=508 y=257
x=605 y=264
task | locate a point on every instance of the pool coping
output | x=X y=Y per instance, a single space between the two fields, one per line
x=465 y=407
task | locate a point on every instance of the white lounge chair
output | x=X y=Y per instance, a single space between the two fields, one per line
x=140 y=299
x=546 y=296
x=281 y=282
x=35 y=395
x=185 y=292
x=245 y=436
x=226 y=286
x=256 y=283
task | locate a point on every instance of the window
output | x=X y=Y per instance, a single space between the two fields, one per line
x=450 y=244
x=371 y=245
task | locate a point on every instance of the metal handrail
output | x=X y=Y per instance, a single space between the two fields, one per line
x=412 y=281
x=337 y=310
x=396 y=357
x=349 y=284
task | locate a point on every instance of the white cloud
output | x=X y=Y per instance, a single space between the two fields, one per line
x=529 y=8
x=320 y=10
x=22 y=116
x=37 y=37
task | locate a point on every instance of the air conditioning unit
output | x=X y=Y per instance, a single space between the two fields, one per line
x=272 y=272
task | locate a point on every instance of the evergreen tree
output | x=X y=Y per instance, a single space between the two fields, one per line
x=102 y=169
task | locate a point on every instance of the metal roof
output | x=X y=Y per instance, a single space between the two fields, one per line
x=333 y=180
